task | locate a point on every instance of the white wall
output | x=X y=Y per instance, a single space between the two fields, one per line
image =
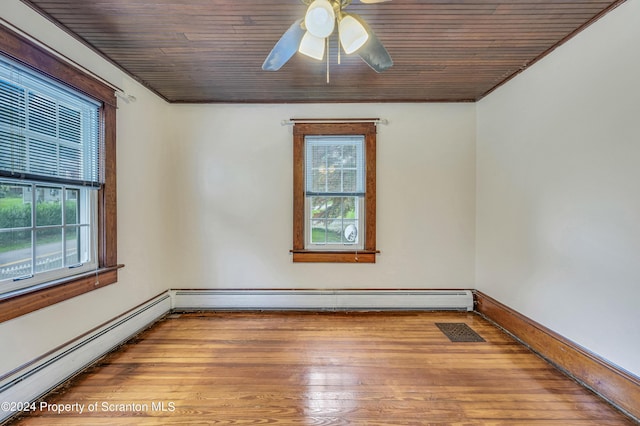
x=233 y=189
x=558 y=184
x=142 y=210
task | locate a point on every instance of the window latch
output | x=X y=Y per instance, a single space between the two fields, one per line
x=76 y=266
x=26 y=277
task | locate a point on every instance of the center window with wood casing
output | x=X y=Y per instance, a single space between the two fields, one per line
x=334 y=192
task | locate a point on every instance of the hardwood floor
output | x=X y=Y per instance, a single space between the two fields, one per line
x=321 y=369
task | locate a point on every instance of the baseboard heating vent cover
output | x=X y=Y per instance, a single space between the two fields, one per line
x=459 y=332
x=41 y=375
x=252 y=299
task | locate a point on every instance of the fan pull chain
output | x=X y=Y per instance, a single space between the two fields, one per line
x=327 y=49
x=340 y=15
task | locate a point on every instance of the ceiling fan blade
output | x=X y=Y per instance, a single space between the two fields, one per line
x=285 y=48
x=373 y=52
x=373 y=1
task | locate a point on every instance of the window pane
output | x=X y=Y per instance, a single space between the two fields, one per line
x=334 y=208
x=334 y=180
x=15 y=206
x=350 y=231
x=334 y=156
x=42 y=115
x=72 y=207
x=12 y=110
x=43 y=157
x=334 y=232
x=318 y=207
x=48 y=206
x=318 y=232
x=73 y=248
x=349 y=153
x=84 y=245
x=15 y=254
x=77 y=245
x=15 y=244
x=13 y=152
x=349 y=180
x=319 y=178
x=70 y=124
x=349 y=207
x=70 y=160
x=318 y=156
x=48 y=249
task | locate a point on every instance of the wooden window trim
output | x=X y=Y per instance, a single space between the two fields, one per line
x=300 y=254
x=22 y=302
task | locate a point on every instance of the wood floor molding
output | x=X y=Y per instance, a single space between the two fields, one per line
x=617 y=386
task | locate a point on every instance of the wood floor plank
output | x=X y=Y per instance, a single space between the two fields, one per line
x=322 y=369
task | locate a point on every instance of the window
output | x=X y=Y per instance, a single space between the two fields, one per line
x=57 y=179
x=49 y=156
x=334 y=192
x=46 y=232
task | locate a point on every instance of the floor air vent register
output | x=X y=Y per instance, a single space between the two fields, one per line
x=459 y=332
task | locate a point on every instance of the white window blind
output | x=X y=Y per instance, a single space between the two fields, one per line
x=48 y=132
x=334 y=166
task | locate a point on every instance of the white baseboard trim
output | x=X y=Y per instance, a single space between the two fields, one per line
x=35 y=379
x=204 y=299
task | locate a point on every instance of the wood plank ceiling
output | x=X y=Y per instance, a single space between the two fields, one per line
x=212 y=50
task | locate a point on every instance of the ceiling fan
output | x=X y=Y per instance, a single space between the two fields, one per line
x=310 y=36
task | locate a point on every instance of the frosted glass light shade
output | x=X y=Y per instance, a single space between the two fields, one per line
x=312 y=46
x=352 y=34
x=320 y=18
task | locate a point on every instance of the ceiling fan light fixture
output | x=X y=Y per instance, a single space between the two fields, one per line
x=311 y=33
x=312 y=46
x=320 y=18
x=353 y=35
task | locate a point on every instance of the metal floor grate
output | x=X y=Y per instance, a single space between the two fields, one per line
x=459 y=332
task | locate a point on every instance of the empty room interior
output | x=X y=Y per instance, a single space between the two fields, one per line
x=319 y=212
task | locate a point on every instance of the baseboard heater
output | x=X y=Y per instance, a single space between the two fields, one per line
x=205 y=299
x=37 y=378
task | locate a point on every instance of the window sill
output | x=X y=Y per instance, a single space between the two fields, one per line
x=309 y=256
x=15 y=304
